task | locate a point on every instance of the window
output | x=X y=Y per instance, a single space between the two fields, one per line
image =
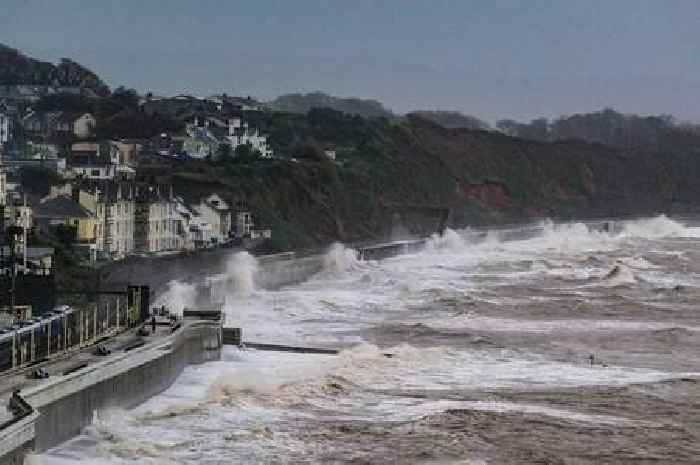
x=95 y=173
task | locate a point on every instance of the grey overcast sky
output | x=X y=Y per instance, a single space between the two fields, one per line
x=490 y=58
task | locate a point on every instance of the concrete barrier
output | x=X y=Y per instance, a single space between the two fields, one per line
x=63 y=406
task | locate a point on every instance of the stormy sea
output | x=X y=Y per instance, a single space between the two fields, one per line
x=543 y=344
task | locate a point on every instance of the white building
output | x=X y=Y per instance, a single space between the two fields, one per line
x=5 y=127
x=216 y=212
x=240 y=133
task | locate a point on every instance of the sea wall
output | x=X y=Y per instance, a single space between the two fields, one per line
x=273 y=270
x=66 y=405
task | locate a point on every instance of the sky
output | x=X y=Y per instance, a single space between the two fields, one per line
x=494 y=59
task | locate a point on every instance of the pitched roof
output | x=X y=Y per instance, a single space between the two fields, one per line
x=61 y=207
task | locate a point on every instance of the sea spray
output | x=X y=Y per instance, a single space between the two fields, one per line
x=339 y=259
x=449 y=240
x=178 y=296
x=657 y=227
x=241 y=271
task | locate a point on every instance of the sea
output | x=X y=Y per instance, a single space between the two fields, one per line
x=548 y=343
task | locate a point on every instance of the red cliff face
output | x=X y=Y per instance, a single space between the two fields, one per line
x=490 y=195
x=494 y=172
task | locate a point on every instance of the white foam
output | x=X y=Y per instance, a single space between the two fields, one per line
x=340 y=259
x=658 y=227
x=178 y=296
x=483 y=323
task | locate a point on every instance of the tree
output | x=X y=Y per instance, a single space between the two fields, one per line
x=224 y=151
x=125 y=98
x=245 y=153
x=508 y=127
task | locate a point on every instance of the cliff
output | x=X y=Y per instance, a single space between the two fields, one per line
x=400 y=178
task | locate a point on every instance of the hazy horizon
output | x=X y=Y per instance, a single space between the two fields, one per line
x=493 y=60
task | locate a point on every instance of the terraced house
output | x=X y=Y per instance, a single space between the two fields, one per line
x=156 y=220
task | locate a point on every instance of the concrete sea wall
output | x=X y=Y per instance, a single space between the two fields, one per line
x=64 y=406
x=274 y=270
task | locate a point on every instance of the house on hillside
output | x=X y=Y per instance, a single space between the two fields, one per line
x=201 y=142
x=18 y=94
x=59 y=124
x=240 y=133
x=100 y=161
x=84 y=126
x=38 y=124
x=90 y=160
x=128 y=151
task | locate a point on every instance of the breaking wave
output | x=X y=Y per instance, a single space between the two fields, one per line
x=178 y=296
x=657 y=227
x=620 y=275
x=340 y=259
x=241 y=270
x=449 y=240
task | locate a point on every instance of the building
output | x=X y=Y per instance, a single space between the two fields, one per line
x=240 y=133
x=243 y=224
x=90 y=160
x=57 y=165
x=41 y=151
x=97 y=171
x=59 y=124
x=200 y=142
x=216 y=212
x=245 y=228
x=156 y=220
x=36 y=261
x=6 y=125
x=64 y=211
x=27 y=94
x=114 y=208
x=84 y=126
x=128 y=152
